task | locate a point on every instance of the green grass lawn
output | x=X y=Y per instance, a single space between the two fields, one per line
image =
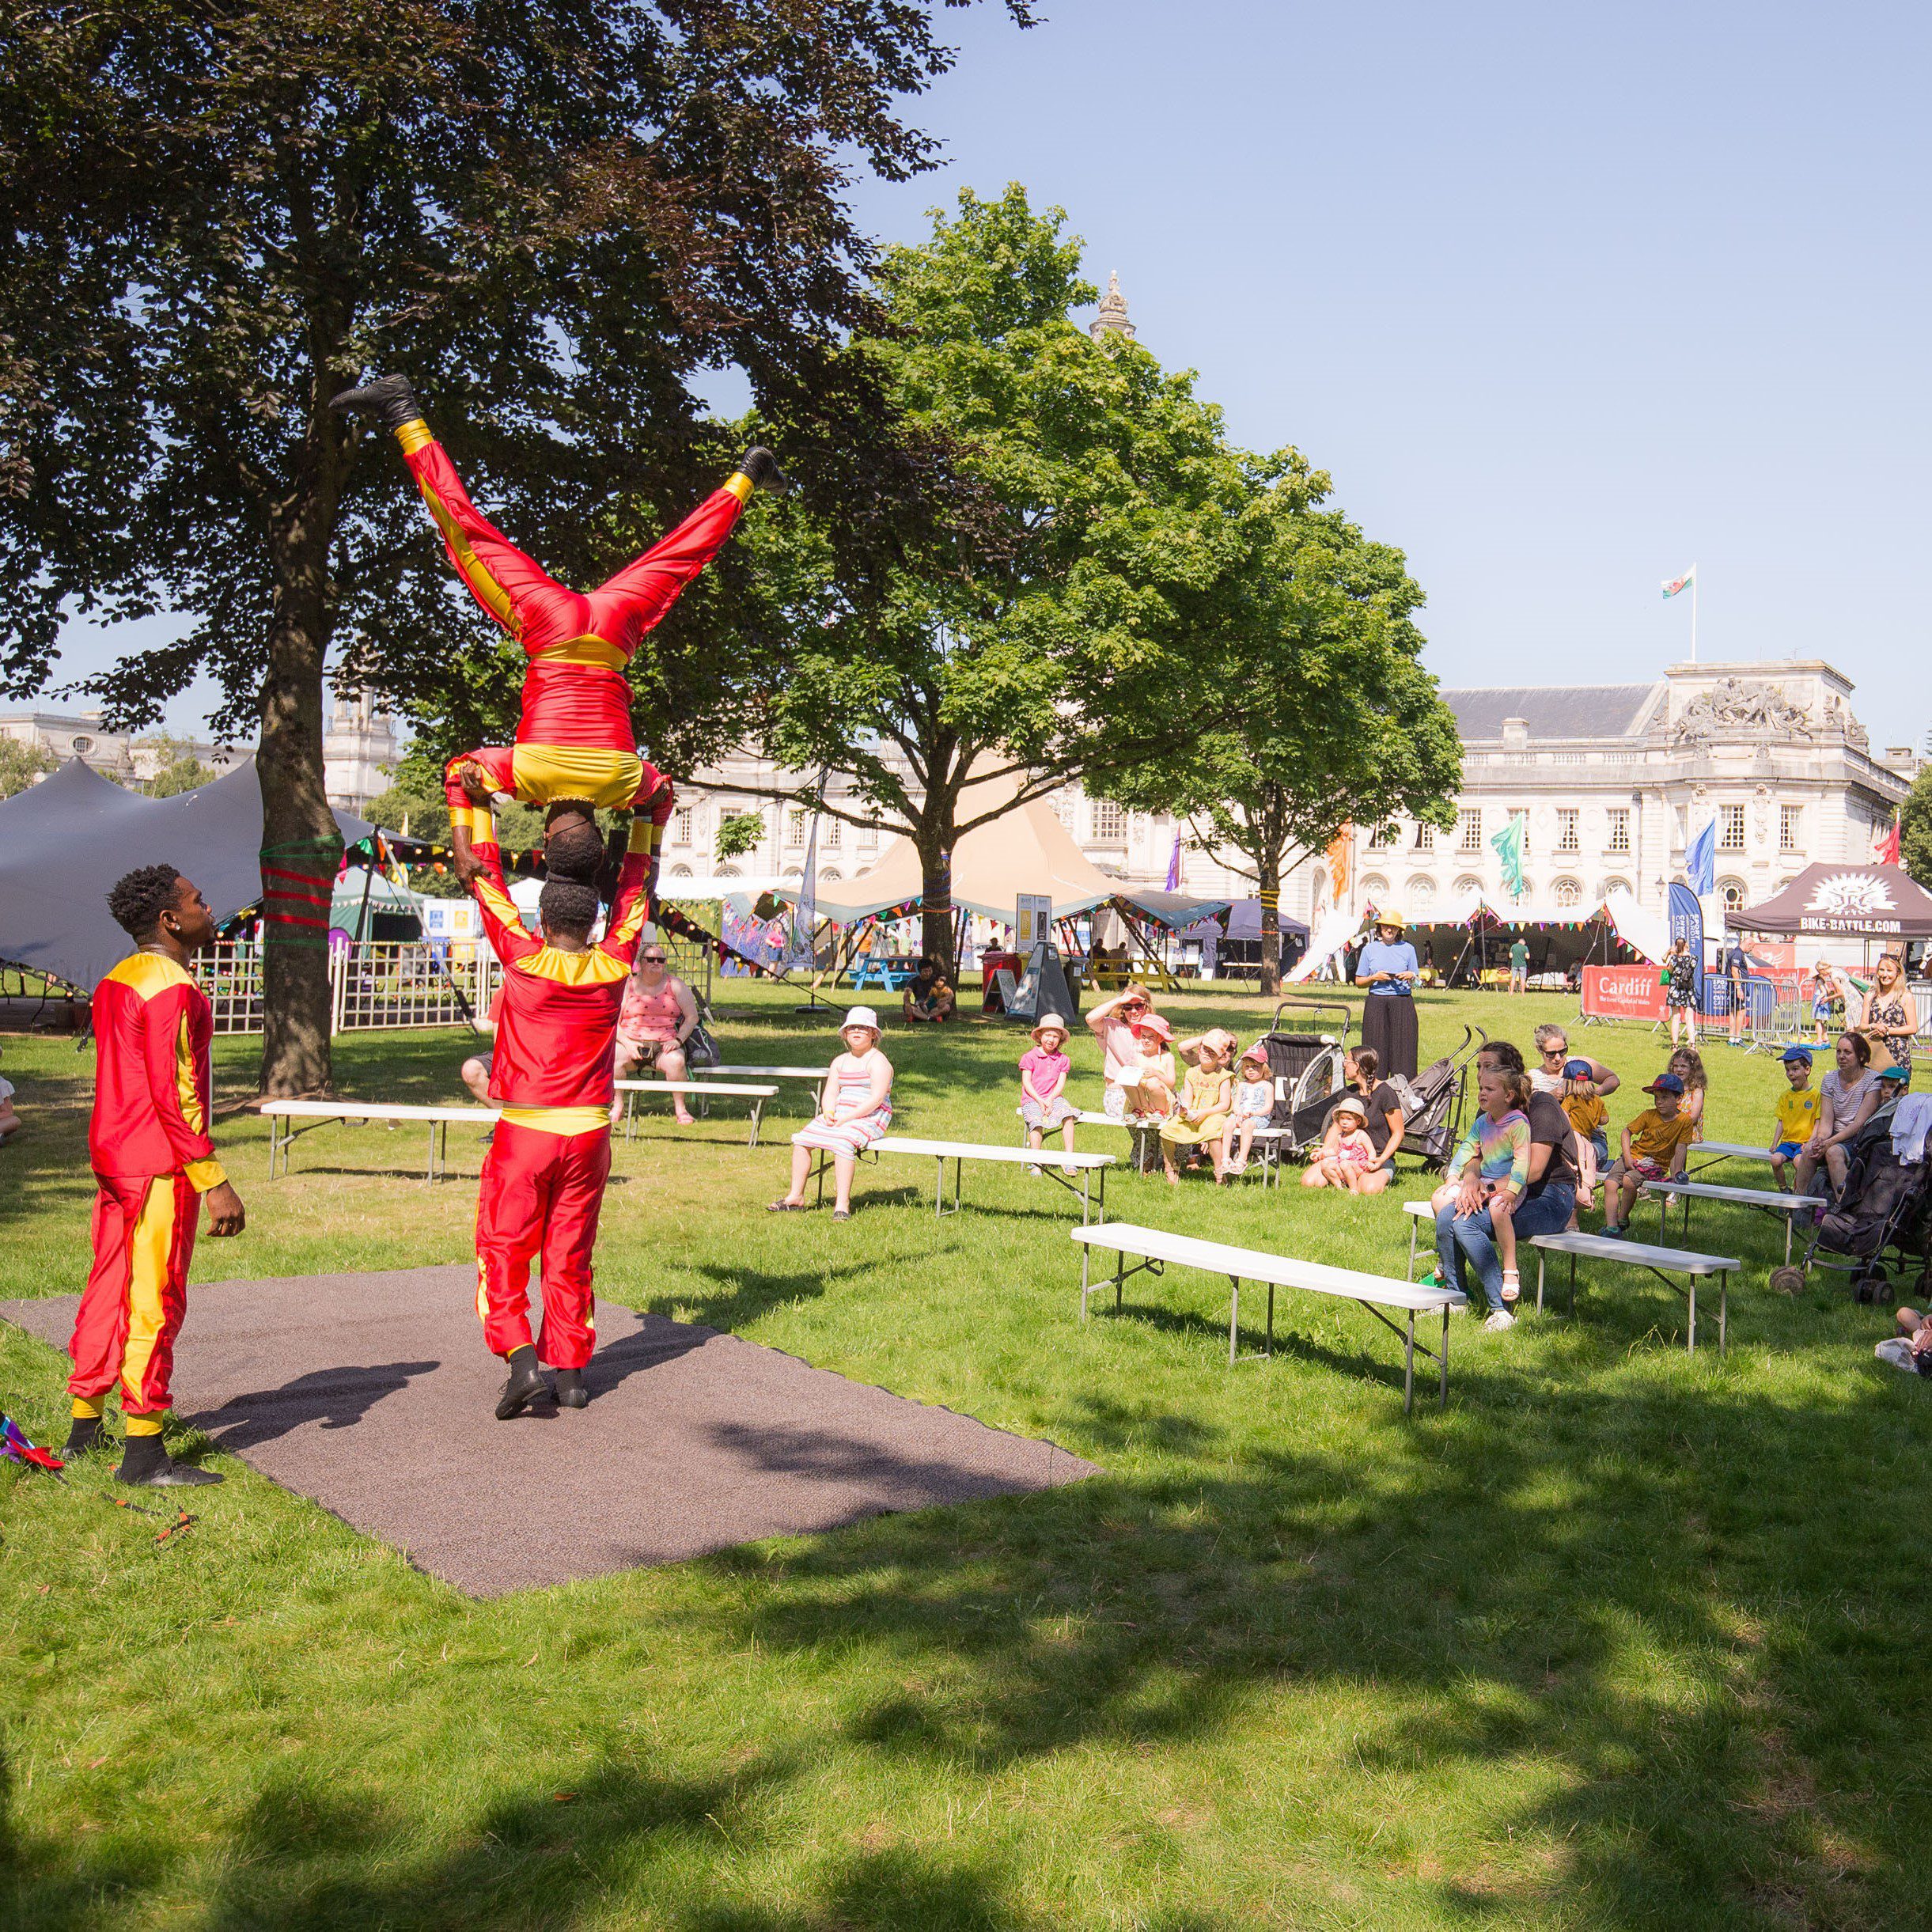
x=1623 y=1639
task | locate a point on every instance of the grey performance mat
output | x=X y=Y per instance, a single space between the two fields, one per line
x=372 y=1394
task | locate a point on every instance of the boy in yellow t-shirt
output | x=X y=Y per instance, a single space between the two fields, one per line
x=1654 y=1145
x=1588 y=1119
x=1797 y=1115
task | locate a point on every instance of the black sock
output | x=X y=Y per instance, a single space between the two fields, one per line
x=522 y=1361
x=569 y=1378
x=143 y=1456
x=84 y=1435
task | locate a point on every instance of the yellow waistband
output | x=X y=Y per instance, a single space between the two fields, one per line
x=586 y=650
x=564 y=1120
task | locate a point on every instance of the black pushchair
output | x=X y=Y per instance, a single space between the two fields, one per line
x=1305 y=1066
x=1879 y=1224
x=1436 y=1102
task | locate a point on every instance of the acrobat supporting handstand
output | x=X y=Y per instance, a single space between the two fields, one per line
x=574 y=740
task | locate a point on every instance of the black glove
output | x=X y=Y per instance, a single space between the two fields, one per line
x=388 y=398
x=760 y=465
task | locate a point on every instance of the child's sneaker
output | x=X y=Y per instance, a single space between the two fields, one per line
x=1499 y=1320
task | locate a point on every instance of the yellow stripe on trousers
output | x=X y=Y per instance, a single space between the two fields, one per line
x=148 y=1253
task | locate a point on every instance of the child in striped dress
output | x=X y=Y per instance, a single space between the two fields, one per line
x=854 y=1109
x=1497 y=1144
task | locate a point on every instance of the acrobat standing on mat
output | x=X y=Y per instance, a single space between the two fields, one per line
x=154 y=1166
x=542 y=1179
x=574 y=740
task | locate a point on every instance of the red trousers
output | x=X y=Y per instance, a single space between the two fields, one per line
x=541 y=1197
x=137 y=1291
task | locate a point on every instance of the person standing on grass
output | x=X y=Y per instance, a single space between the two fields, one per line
x=659 y=1015
x=1387 y=968
x=1890 y=1019
x=1519 y=964
x=1680 y=977
x=154 y=1166
x=1737 y=969
x=1827 y=984
x=1043 y=1085
x=542 y=1190
x=854 y=1109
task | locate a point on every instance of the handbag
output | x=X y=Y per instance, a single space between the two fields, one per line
x=700 y=1048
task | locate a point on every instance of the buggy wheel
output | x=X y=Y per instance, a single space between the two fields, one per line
x=1787 y=1280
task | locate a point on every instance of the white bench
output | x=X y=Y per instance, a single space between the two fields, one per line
x=1768 y=1198
x=817 y=1074
x=1661 y=1262
x=283 y=1135
x=1058 y=1168
x=1155 y=1247
x=704 y=1091
x=1713 y=1151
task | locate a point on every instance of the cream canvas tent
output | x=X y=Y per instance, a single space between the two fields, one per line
x=1025 y=850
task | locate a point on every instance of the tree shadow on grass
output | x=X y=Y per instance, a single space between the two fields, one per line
x=1631 y=1602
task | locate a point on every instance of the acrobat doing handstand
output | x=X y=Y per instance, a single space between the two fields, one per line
x=575 y=743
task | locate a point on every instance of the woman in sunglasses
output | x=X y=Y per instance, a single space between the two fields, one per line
x=659 y=1016
x=1112 y=1023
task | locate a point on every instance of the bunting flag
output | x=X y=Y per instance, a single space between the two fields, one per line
x=1173 y=864
x=1889 y=849
x=15 y=1448
x=1339 y=847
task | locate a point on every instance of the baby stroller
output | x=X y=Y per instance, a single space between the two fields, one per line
x=1306 y=1068
x=1883 y=1210
x=1436 y=1102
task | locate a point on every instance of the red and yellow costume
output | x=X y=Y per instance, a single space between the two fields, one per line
x=542 y=1180
x=152 y=1160
x=575 y=739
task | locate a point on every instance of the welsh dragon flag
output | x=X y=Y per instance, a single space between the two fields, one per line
x=1673 y=584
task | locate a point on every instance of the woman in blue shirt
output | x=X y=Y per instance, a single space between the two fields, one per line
x=1387 y=968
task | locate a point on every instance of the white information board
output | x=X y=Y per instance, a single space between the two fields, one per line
x=1032 y=921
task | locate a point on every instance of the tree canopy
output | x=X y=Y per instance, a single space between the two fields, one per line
x=554 y=220
x=1044 y=623
x=1915 y=830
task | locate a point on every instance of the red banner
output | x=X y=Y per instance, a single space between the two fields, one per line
x=1622 y=993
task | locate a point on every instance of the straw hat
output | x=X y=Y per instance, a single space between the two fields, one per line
x=1351 y=1104
x=860 y=1016
x=1049 y=1021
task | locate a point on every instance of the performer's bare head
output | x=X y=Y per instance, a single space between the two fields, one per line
x=568 y=909
x=155 y=901
x=573 y=847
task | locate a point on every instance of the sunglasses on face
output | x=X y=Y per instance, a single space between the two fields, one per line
x=1554 y=1053
x=654 y=959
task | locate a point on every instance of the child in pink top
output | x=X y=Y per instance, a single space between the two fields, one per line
x=1043 y=1085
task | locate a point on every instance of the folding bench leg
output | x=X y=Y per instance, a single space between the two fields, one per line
x=1445 y=1327
x=1724 y=1285
x=1234 y=1319
x=1086 y=1255
x=1412 y=1228
x=1408 y=1368
x=1541 y=1260
x=758 y=1107
x=1691 y=1345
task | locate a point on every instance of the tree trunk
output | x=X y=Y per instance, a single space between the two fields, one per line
x=936 y=898
x=1268 y=884
x=301 y=844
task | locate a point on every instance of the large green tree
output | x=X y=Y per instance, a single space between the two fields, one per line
x=1316 y=708
x=1916 y=829
x=554 y=218
x=1042 y=622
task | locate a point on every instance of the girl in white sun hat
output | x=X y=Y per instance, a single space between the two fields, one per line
x=854 y=1109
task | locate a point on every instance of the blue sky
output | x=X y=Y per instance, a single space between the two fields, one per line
x=1565 y=298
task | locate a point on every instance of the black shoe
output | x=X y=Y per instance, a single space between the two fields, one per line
x=760 y=465
x=169 y=1475
x=388 y=398
x=571 y=1393
x=525 y=1384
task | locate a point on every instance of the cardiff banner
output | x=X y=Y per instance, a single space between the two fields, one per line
x=1622 y=993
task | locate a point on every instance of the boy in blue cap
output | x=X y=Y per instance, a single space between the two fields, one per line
x=1797 y=1115
x=1654 y=1145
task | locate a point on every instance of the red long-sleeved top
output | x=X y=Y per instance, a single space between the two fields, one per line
x=154 y=1077
x=578 y=642
x=557 y=1030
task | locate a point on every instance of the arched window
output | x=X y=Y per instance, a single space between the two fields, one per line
x=1731 y=895
x=680 y=872
x=1567 y=892
x=1467 y=883
x=727 y=872
x=1376 y=890
x=1612 y=885
x=1421 y=891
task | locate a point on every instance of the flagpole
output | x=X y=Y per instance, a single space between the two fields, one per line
x=1693 y=613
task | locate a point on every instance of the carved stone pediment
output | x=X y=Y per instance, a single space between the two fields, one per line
x=1739 y=706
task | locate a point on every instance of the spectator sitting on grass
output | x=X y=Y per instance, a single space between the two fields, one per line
x=9 y=1120
x=1653 y=1147
x=1797 y=1114
x=1911 y=1347
x=1382 y=1111
x=1348 y=1154
x=927 y=996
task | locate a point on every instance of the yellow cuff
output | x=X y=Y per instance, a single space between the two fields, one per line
x=478 y=821
x=740 y=485
x=643 y=840
x=413 y=435
x=87 y=1408
x=203 y=1175
x=141 y=1425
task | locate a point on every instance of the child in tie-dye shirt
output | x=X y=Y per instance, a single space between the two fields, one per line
x=1498 y=1145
